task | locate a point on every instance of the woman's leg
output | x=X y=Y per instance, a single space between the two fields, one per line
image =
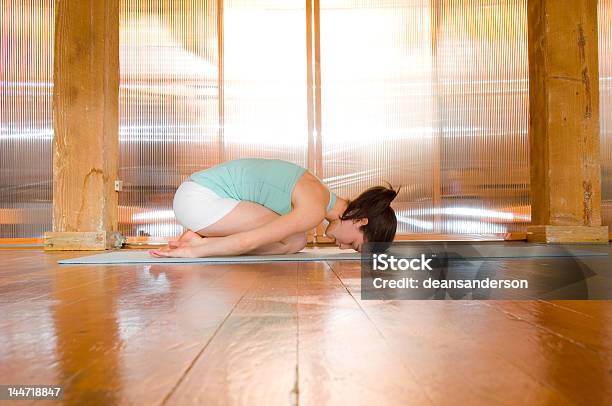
x=248 y=216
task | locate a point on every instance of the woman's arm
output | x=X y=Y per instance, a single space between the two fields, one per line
x=248 y=241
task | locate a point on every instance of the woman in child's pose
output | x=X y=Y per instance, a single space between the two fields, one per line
x=266 y=206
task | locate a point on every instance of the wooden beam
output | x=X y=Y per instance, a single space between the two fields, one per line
x=313 y=96
x=85 y=112
x=221 y=79
x=316 y=26
x=318 y=135
x=310 y=112
x=437 y=150
x=564 y=122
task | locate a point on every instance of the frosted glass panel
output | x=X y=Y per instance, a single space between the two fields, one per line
x=170 y=113
x=378 y=102
x=265 y=113
x=483 y=77
x=432 y=96
x=169 y=106
x=605 y=98
x=26 y=127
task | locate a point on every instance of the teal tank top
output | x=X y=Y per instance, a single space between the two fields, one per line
x=268 y=182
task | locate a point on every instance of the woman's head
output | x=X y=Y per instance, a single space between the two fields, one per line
x=368 y=218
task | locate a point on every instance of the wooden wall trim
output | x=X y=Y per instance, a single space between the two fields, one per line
x=320 y=241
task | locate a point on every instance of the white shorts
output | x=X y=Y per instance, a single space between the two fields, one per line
x=197 y=207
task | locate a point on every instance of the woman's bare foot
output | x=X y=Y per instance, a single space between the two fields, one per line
x=189 y=236
x=185 y=239
x=180 y=244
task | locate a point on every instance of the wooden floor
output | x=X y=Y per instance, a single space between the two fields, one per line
x=285 y=333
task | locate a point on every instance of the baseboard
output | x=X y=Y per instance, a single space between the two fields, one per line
x=150 y=242
x=568 y=234
x=82 y=240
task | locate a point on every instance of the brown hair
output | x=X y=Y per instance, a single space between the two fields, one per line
x=375 y=205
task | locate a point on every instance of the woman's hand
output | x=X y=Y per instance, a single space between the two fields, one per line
x=181 y=250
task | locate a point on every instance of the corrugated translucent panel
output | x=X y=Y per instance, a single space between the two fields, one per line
x=483 y=86
x=169 y=107
x=605 y=99
x=378 y=119
x=433 y=96
x=265 y=112
x=430 y=95
x=26 y=126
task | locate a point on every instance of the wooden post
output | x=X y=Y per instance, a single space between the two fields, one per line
x=436 y=198
x=313 y=99
x=315 y=234
x=221 y=79
x=564 y=122
x=310 y=110
x=85 y=112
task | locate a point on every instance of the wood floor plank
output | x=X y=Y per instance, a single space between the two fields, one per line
x=343 y=359
x=34 y=273
x=459 y=346
x=593 y=331
x=129 y=335
x=588 y=308
x=252 y=358
x=20 y=262
x=154 y=357
x=285 y=333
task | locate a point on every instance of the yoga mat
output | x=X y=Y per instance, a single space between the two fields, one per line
x=473 y=251
x=143 y=256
